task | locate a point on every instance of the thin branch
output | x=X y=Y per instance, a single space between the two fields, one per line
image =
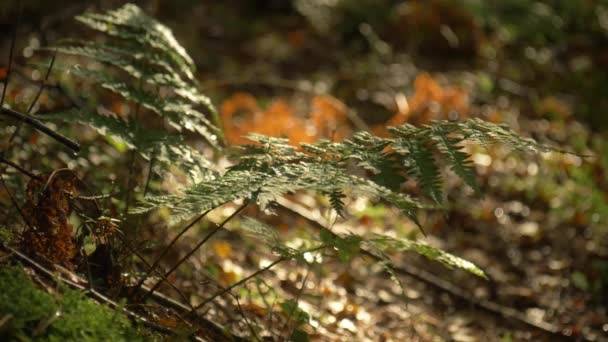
x=297 y=299
x=198 y=246
x=212 y=329
x=130 y=185
x=140 y=257
x=253 y=275
x=150 y=173
x=238 y=303
x=130 y=175
x=209 y=326
x=18 y=168
x=130 y=248
x=238 y=283
x=95 y=197
x=14 y=202
x=42 y=84
x=167 y=248
x=37 y=124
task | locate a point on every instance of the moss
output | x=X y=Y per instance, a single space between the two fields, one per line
x=79 y=318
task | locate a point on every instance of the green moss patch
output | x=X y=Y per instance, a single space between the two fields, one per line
x=31 y=314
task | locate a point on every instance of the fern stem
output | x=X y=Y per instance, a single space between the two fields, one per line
x=197 y=247
x=238 y=283
x=157 y=272
x=249 y=277
x=166 y=250
x=253 y=333
x=297 y=299
x=149 y=176
x=146 y=187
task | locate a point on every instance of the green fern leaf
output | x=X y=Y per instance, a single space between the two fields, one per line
x=423 y=168
x=388 y=244
x=130 y=23
x=166 y=149
x=346 y=247
x=457 y=159
x=161 y=74
x=336 y=199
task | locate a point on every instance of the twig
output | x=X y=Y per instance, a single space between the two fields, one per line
x=198 y=246
x=238 y=304
x=167 y=248
x=253 y=275
x=42 y=84
x=296 y=305
x=149 y=176
x=238 y=283
x=130 y=176
x=95 y=197
x=205 y=323
x=37 y=124
x=18 y=168
x=14 y=202
x=263 y=293
x=433 y=280
x=130 y=185
x=53 y=174
x=140 y=257
x=297 y=299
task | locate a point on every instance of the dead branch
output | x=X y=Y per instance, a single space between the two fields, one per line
x=37 y=124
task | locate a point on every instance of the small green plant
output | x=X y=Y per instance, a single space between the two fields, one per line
x=143 y=63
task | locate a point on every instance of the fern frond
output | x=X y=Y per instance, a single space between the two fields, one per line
x=166 y=149
x=271 y=182
x=272 y=168
x=177 y=110
x=457 y=159
x=268 y=236
x=336 y=199
x=424 y=169
x=260 y=231
x=131 y=24
x=346 y=247
x=159 y=74
x=388 y=244
x=148 y=67
x=486 y=133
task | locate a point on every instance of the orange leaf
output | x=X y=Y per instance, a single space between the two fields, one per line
x=222 y=249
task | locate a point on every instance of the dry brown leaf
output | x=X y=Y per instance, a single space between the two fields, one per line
x=222 y=249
